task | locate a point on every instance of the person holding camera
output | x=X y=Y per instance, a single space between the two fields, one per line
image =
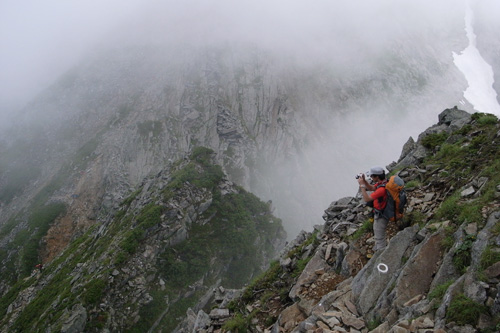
x=378 y=200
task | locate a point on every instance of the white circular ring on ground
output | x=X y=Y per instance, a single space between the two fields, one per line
x=382 y=268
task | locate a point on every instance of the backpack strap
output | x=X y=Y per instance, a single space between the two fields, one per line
x=383 y=199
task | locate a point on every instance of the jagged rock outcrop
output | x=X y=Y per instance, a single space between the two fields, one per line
x=414 y=152
x=440 y=271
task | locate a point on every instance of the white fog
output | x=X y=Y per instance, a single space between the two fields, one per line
x=40 y=41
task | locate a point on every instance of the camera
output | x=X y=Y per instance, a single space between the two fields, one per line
x=359 y=175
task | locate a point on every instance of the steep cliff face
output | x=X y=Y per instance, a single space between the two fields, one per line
x=440 y=271
x=180 y=235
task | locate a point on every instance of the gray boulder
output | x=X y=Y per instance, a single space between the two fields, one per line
x=75 y=323
x=417 y=275
x=454 y=118
x=371 y=281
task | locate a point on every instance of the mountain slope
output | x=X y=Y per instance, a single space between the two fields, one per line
x=440 y=271
x=181 y=234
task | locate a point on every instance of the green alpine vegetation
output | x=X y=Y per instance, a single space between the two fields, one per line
x=228 y=241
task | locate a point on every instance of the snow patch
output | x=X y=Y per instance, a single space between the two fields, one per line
x=478 y=73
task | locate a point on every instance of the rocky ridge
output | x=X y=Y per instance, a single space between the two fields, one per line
x=150 y=261
x=439 y=273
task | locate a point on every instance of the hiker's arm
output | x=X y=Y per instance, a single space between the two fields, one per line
x=365 y=195
x=364 y=186
x=362 y=182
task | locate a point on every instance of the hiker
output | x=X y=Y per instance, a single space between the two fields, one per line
x=39 y=267
x=378 y=200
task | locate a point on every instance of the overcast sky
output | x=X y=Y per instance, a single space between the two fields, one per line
x=39 y=40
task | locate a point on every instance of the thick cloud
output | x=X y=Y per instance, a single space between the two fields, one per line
x=41 y=39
